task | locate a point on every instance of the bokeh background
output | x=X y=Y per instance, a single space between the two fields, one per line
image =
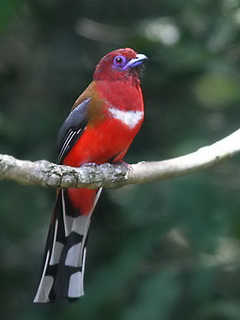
x=168 y=250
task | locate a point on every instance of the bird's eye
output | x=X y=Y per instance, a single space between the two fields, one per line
x=119 y=61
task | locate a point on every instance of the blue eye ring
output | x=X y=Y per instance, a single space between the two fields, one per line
x=119 y=61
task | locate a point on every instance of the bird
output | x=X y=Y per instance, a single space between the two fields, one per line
x=99 y=129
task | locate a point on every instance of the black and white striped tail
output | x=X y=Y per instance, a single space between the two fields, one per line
x=65 y=253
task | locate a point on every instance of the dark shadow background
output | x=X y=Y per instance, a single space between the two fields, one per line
x=167 y=250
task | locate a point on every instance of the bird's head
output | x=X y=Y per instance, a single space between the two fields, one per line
x=119 y=65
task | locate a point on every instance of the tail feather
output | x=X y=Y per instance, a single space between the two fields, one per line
x=65 y=252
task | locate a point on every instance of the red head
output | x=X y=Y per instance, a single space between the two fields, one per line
x=119 y=65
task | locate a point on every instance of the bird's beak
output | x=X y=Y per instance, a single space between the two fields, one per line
x=140 y=58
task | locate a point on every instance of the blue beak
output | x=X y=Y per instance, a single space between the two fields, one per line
x=140 y=58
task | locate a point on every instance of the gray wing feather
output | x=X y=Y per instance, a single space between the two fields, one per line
x=72 y=129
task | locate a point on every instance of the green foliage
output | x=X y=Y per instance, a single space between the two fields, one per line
x=160 y=251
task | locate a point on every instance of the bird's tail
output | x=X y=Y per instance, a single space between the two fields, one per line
x=65 y=252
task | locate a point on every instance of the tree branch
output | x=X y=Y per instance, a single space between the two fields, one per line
x=91 y=176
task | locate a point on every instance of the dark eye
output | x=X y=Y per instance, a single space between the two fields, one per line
x=119 y=61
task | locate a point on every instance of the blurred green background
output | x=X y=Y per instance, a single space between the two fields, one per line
x=168 y=250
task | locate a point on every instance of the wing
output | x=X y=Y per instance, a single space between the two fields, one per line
x=72 y=129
